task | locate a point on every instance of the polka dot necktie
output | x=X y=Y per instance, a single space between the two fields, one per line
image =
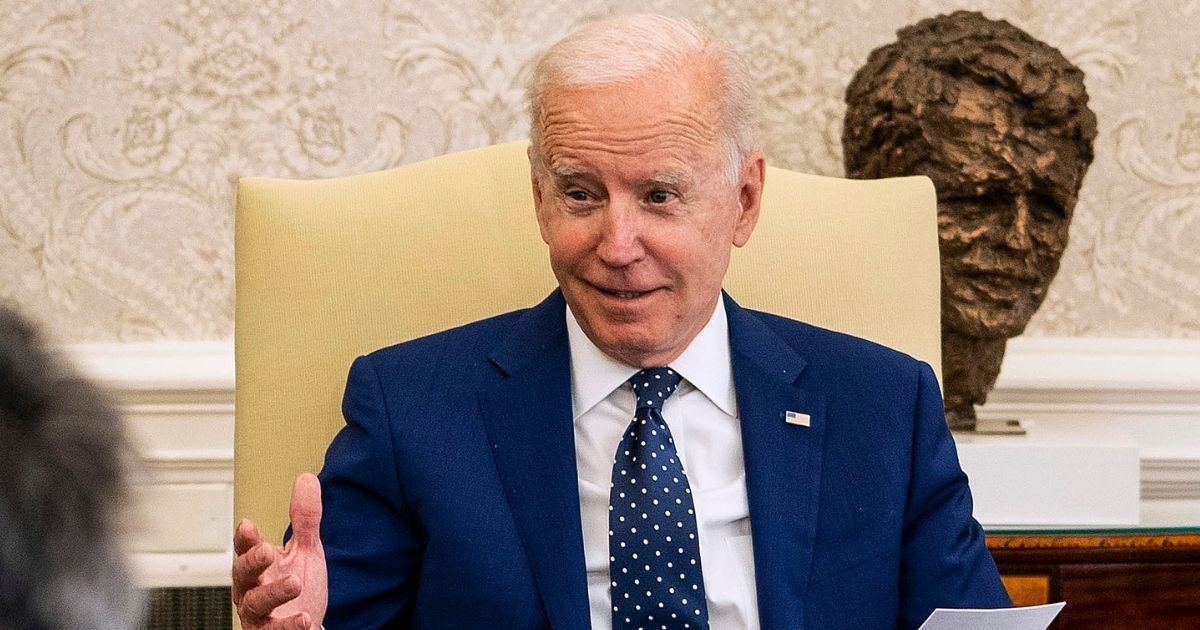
x=653 y=544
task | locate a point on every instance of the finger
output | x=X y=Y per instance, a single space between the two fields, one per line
x=306 y=510
x=299 y=621
x=249 y=567
x=261 y=601
x=245 y=536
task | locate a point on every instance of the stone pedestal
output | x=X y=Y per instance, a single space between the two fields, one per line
x=1065 y=474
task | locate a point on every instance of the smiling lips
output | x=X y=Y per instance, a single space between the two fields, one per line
x=623 y=294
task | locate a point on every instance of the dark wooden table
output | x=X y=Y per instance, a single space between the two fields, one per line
x=1143 y=579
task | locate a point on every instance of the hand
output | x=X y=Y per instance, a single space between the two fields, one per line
x=283 y=588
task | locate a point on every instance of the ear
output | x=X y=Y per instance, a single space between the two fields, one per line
x=750 y=187
x=536 y=173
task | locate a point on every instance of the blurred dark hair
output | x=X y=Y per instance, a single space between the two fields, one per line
x=62 y=463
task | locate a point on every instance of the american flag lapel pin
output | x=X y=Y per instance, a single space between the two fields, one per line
x=797 y=418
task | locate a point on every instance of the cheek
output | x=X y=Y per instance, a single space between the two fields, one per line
x=1051 y=235
x=567 y=241
x=708 y=262
x=564 y=259
x=956 y=244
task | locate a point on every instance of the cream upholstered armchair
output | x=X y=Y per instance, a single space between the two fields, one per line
x=331 y=269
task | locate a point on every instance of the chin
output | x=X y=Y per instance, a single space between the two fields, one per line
x=623 y=342
x=985 y=321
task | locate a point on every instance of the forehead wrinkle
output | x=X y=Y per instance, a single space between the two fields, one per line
x=668 y=157
x=688 y=121
x=567 y=133
x=670 y=144
x=671 y=169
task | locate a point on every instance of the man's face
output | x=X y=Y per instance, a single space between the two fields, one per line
x=633 y=201
x=1005 y=204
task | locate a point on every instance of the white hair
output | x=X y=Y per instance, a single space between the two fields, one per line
x=624 y=48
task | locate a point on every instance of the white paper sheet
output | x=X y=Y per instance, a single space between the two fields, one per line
x=1026 y=618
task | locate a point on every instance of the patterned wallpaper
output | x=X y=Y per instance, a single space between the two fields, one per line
x=124 y=123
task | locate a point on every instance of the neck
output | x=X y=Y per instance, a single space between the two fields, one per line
x=970 y=366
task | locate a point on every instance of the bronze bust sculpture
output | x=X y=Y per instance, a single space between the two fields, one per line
x=999 y=121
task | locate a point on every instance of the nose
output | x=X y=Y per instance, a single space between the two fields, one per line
x=1016 y=236
x=620 y=241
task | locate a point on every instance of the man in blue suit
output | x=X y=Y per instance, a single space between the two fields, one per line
x=637 y=451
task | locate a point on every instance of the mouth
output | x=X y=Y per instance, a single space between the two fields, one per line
x=1001 y=276
x=995 y=288
x=623 y=293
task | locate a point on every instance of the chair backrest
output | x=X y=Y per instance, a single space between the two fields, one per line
x=331 y=269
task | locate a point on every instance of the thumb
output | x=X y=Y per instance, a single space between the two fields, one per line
x=306 y=511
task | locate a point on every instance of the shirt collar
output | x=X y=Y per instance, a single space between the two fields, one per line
x=704 y=363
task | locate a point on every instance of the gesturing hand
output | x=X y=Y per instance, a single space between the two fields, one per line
x=283 y=588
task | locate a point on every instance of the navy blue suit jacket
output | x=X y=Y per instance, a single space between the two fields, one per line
x=451 y=501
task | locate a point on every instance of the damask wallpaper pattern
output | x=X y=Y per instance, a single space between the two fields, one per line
x=125 y=123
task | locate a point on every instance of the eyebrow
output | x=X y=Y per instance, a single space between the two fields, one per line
x=563 y=172
x=667 y=178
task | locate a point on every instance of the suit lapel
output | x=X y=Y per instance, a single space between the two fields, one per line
x=527 y=414
x=783 y=464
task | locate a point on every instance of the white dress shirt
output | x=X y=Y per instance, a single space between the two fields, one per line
x=703 y=419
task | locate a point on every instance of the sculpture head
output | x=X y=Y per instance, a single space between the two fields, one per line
x=999 y=121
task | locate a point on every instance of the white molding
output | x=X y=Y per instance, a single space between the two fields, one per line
x=163 y=367
x=1168 y=370
x=1171 y=479
x=178 y=399
x=1148 y=388
x=173 y=570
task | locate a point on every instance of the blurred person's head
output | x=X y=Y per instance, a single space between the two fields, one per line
x=62 y=463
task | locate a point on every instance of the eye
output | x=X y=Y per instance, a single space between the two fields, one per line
x=975 y=207
x=578 y=195
x=1047 y=209
x=658 y=196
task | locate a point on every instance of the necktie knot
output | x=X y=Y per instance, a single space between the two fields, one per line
x=653 y=386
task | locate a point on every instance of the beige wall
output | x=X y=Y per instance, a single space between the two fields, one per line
x=124 y=123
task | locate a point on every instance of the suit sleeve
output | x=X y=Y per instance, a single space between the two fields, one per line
x=372 y=542
x=944 y=559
